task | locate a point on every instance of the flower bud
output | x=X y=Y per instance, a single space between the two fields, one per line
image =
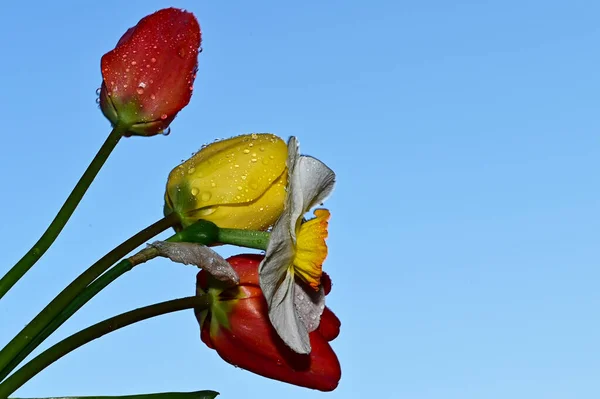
x=234 y=183
x=148 y=78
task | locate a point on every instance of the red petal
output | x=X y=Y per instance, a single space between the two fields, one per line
x=246 y=266
x=253 y=344
x=330 y=325
x=205 y=335
x=154 y=66
x=326 y=283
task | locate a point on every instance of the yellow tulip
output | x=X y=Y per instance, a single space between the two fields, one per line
x=234 y=183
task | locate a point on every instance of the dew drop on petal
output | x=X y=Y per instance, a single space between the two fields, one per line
x=205 y=196
x=163 y=116
x=195 y=191
x=166 y=132
x=98 y=90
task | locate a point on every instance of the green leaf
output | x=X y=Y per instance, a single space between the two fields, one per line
x=163 y=395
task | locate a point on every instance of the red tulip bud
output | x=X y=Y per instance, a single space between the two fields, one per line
x=237 y=326
x=148 y=78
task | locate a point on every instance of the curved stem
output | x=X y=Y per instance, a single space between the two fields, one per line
x=12 y=349
x=63 y=215
x=76 y=340
x=200 y=233
x=99 y=284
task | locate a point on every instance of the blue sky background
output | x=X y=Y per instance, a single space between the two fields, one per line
x=464 y=233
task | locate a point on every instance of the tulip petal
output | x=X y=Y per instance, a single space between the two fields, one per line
x=149 y=76
x=330 y=325
x=235 y=183
x=199 y=255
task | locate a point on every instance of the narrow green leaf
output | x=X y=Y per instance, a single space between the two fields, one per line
x=163 y=395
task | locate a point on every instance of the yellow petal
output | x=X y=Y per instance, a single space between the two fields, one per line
x=311 y=249
x=256 y=215
x=230 y=172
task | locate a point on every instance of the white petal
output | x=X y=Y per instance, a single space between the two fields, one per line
x=285 y=320
x=278 y=258
x=310 y=181
x=199 y=255
x=294 y=203
x=309 y=305
x=280 y=250
x=317 y=181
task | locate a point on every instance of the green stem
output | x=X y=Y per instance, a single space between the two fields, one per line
x=244 y=238
x=16 y=345
x=63 y=215
x=99 y=284
x=201 y=232
x=89 y=334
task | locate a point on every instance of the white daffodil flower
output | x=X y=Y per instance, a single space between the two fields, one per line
x=290 y=273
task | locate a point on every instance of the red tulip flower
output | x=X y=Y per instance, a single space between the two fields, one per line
x=237 y=326
x=148 y=78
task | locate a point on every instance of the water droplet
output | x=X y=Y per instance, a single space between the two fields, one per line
x=253 y=186
x=254 y=136
x=166 y=132
x=213 y=184
x=271 y=157
x=236 y=165
x=265 y=161
x=133 y=62
x=163 y=116
x=239 y=188
x=246 y=151
x=182 y=52
x=262 y=148
x=253 y=159
x=152 y=96
x=98 y=90
x=251 y=145
x=261 y=208
x=205 y=196
x=140 y=90
x=191 y=170
x=97 y=100
x=195 y=191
